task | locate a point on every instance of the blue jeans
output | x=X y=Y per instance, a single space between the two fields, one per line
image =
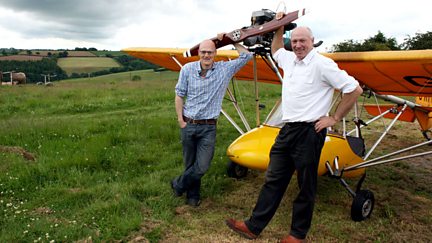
x=198 y=149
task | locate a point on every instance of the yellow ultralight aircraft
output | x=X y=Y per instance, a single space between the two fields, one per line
x=383 y=74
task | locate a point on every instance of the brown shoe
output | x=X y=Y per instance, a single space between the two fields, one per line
x=291 y=239
x=240 y=228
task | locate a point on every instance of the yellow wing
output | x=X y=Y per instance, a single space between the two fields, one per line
x=407 y=73
x=170 y=58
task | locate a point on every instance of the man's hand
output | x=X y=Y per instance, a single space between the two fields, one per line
x=220 y=36
x=278 y=41
x=279 y=15
x=182 y=124
x=324 y=122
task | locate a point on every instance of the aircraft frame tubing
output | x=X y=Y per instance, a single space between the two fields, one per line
x=274 y=67
x=177 y=61
x=370 y=121
x=228 y=117
x=386 y=131
x=338 y=175
x=239 y=111
x=379 y=160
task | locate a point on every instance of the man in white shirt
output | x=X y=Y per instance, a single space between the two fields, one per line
x=307 y=91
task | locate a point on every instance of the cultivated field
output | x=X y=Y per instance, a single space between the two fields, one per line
x=44 y=53
x=21 y=58
x=106 y=148
x=86 y=64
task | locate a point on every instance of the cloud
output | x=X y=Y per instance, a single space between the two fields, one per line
x=113 y=24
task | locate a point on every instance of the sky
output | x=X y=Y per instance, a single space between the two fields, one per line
x=117 y=24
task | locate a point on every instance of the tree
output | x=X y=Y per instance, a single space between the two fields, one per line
x=63 y=54
x=376 y=43
x=380 y=43
x=420 y=41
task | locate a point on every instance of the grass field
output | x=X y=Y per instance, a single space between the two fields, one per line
x=86 y=64
x=107 y=147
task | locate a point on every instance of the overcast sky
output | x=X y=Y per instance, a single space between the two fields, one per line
x=118 y=24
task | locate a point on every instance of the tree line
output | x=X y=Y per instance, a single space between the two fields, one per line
x=35 y=69
x=380 y=42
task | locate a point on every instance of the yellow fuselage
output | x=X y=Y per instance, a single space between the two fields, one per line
x=252 y=150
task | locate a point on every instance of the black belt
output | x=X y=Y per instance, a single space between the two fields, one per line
x=295 y=124
x=204 y=121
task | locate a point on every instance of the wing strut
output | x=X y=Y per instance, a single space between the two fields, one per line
x=376 y=161
x=240 y=113
x=370 y=121
x=228 y=117
x=273 y=66
x=175 y=60
x=255 y=73
x=386 y=131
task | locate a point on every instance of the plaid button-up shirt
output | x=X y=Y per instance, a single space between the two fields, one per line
x=204 y=95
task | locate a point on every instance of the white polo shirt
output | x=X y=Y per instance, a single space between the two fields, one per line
x=308 y=85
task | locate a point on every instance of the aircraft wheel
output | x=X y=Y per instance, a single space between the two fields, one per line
x=362 y=205
x=236 y=171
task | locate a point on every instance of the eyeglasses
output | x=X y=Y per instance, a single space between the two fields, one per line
x=206 y=52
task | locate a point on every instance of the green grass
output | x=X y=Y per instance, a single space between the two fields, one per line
x=106 y=148
x=86 y=64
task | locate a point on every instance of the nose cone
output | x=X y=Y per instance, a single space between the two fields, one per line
x=252 y=148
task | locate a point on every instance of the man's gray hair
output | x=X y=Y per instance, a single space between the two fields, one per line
x=310 y=32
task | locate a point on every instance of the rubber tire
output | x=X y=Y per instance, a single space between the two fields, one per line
x=236 y=171
x=362 y=205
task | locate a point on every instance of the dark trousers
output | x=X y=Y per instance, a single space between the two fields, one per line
x=297 y=148
x=198 y=149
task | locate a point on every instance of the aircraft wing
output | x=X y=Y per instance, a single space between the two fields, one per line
x=172 y=58
x=407 y=73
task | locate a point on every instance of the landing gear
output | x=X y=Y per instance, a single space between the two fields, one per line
x=236 y=171
x=363 y=200
x=362 y=205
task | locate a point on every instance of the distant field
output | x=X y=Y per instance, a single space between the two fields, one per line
x=70 y=53
x=86 y=64
x=104 y=53
x=21 y=58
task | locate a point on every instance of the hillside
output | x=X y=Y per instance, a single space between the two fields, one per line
x=72 y=64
